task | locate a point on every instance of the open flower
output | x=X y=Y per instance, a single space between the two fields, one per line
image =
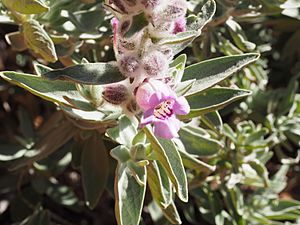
x=161 y=105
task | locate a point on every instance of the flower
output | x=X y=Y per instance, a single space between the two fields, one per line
x=161 y=105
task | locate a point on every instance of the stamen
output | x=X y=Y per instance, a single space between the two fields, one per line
x=164 y=109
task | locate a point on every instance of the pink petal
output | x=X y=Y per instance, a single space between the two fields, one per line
x=155 y=99
x=151 y=93
x=167 y=128
x=181 y=106
x=180 y=25
x=147 y=120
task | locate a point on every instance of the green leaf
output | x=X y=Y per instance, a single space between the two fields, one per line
x=125 y=132
x=283 y=210
x=161 y=193
x=88 y=73
x=207 y=12
x=168 y=156
x=40 y=68
x=180 y=41
x=179 y=61
x=54 y=91
x=261 y=170
x=213 y=120
x=27 y=6
x=87 y=21
x=210 y=72
x=239 y=36
x=120 y=153
x=197 y=144
x=38 y=40
x=137 y=24
x=213 y=99
x=178 y=38
x=94 y=167
x=191 y=162
x=92 y=117
x=171 y=213
x=129 y=196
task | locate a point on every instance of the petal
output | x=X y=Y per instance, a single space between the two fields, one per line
x=148 y=118
x=181 y=106
x=155 y=99
x=167 y=128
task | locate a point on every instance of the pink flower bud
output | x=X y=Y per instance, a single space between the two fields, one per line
x=170 y=12
x=151 y=4
x=129 y=65
x=155 y=64
x=180 y=25
x=115 y=93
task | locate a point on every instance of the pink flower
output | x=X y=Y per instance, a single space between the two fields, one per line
x=161 y=105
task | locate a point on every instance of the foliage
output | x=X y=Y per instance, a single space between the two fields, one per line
x=236 y=63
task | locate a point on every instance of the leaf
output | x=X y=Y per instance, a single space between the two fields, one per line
x=94 y=168
x=213 y=120
x=172 y=214
x=180 y=41
x=26 y=124
x=10 y=152
x=16 y=40
x=261 y=170
x=161 y=193
x=27 y=6
x=168 y=156
x=88 y=73
x=54 y=91
x=211 y=72
x=283 y=210
x=207 y=12
x=120 y=153
x=213 y=99
x=87 y=21
x=40 y=68
x=239 y=36
x=178 y=38
x=137 y=24
x=197 y=144
x=57 y=136
x=129 y=196
x=124 y=133
x=38 y=40
x=191 y=162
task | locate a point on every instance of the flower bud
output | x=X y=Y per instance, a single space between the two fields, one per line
x=155 y=64
x=151 y=4
x=179 y=25
x=129 y=65
x=169 y=14
x=115 y=93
